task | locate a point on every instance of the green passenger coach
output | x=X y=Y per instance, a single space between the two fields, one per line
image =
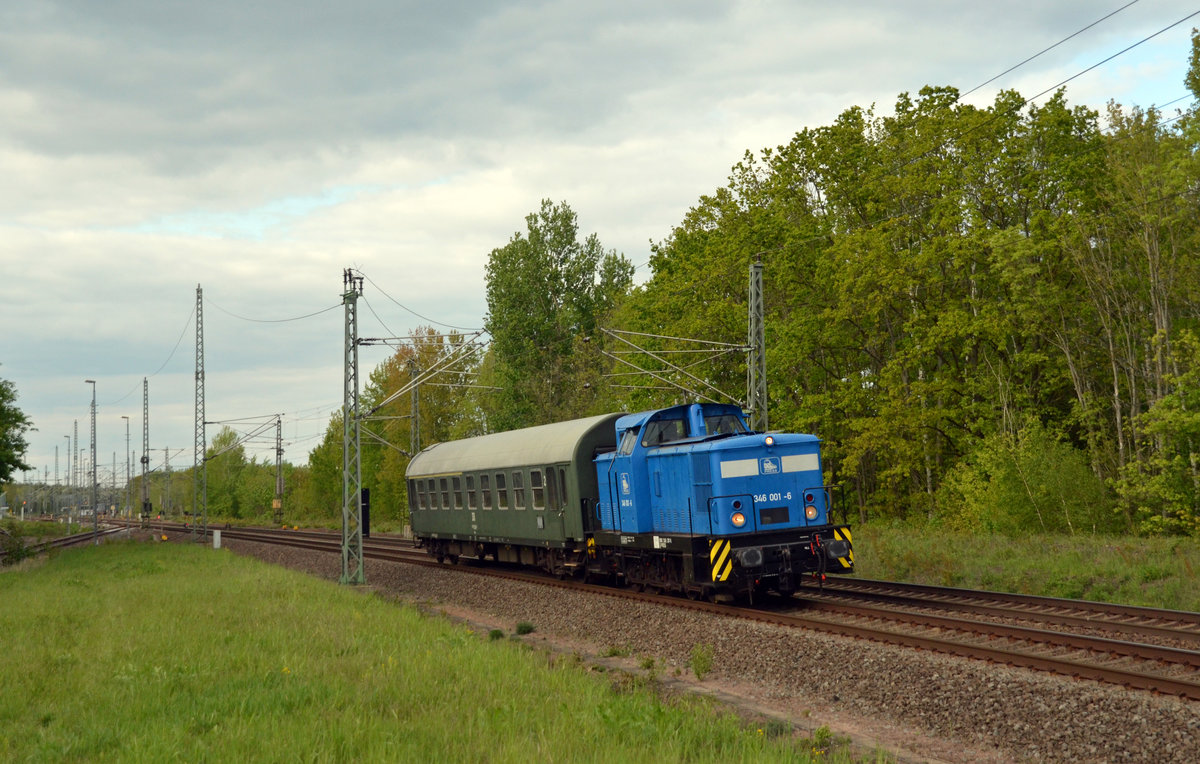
x=522 y=496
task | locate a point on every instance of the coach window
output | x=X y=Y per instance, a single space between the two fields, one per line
x=562 y=487
x=552 y=488
x=423 y=493
x=518 y=489
x=501 y=491
x=445 y=493
x=431 y=493
x=472 y=497
x=538 y=490
x=485 y=488
x=414 y=495
x=458 y=494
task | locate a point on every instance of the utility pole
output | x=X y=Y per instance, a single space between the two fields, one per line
x=94 y=473
x=756 y=369
x=352 y=539
x=199 y=457
x=145 y=449
x=75 y=482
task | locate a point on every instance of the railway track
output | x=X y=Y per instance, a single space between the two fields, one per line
x=1139 y=648
x=62 y=542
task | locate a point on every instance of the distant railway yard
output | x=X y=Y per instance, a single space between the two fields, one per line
x=924 y=673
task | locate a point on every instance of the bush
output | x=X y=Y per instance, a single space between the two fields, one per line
x=524 y=627
x=702 y=660
x=12 y=543
x=1033 y=482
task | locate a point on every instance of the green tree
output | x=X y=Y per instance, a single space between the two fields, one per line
x=322 y=495
x=226 y=465
x=1163 y=489
x=13 y=426
x=545 y=289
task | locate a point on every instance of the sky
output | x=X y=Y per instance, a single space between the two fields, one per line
x=258 y=149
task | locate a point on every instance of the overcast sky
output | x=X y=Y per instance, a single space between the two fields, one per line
x=259 y=148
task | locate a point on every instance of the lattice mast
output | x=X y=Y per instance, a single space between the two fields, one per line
x=145 y=449
x=277 y=502
x=199 y=462
x=94 y=475
x=352 y=538
x=756 y=369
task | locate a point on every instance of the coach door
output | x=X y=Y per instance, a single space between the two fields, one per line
x=547 y=494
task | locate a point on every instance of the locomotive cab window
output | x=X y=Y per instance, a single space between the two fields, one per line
x=537 y=489
x=628 y=439
x=485 y=488
x=518 y=489
x=501 y=491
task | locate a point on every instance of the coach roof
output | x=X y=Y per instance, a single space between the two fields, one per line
x=545 y=444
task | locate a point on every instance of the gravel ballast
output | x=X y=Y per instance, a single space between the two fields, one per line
x=918 y=705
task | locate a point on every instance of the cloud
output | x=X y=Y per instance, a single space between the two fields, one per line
x=259 y=148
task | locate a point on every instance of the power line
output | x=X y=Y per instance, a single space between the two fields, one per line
x=186 y=324
x=1076 y=33
x=418 y=315
x=271 y=320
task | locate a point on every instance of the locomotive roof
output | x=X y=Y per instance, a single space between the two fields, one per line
x=531 y=446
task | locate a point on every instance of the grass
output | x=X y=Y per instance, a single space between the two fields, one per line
x=1152 y=572
x=128 y=652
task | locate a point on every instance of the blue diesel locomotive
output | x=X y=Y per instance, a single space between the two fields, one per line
x=684 y=499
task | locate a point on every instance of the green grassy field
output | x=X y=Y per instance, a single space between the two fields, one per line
x=1152 y=572
x=157 y=652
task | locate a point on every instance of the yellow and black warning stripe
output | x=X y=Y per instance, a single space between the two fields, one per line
x=720 y=559
x=591 y=547
x=843 y=534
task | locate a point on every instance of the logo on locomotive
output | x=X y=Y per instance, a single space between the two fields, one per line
x=769 y=465
x=625 y=483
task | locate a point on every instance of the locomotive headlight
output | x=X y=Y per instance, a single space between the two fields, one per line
x=738 y=519
x=770 y=441
x=810 y=512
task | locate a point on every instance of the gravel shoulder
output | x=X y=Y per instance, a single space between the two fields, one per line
x=920 y=707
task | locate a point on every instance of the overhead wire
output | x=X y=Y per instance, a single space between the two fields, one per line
x=1071 y=36
x=271 y=320
x=415 y=313
x=171 y=355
